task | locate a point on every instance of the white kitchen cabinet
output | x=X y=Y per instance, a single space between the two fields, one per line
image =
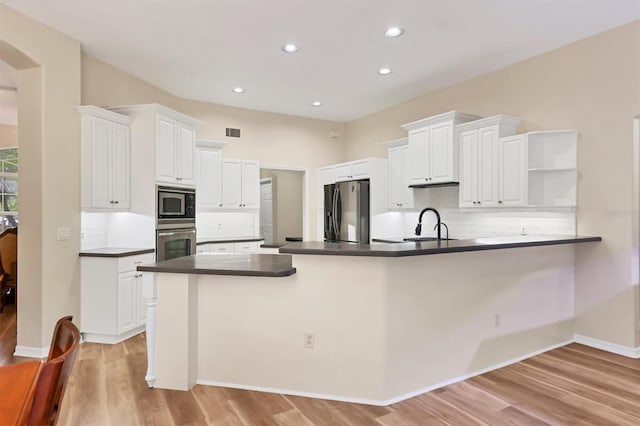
x=400 y=195
x=481 y=179
x=105 y=151
x=208 y=163
x=352 y=170
x=233 y=247
x=433 y=149
x=175 y=148
x=240 y=184
x=112 y=306
x=512 y=171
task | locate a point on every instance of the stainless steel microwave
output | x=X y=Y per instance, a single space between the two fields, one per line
x=175 y=205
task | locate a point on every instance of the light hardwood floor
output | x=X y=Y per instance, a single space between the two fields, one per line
x=573 y=385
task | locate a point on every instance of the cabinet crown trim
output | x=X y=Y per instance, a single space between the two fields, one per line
x=133 y=110
x=209 y=143
x=447 y=116
x=396 y=142
x=94 y=111
x=501 y=120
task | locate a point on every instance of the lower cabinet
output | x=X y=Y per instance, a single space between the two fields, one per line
x=236 y=247
x=112 y=305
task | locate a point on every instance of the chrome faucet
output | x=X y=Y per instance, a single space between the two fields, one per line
x=438 y=225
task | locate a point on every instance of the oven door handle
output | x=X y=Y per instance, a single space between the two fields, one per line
x=169 y=234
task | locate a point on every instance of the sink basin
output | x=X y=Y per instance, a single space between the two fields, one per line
x=418 y=239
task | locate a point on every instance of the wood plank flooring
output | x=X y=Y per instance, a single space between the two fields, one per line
x=573 y=385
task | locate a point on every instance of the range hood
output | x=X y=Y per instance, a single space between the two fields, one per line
x=434 y=185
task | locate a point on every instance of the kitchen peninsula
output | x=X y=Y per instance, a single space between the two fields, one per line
x=363 y=323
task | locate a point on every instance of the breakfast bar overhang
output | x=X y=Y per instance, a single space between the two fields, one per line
x=396 y=322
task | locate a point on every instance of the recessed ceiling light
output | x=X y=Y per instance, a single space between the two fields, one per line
x=290 y=48
x=238 y=90
x=384 y=71
x=317 y=104
x=394 y=32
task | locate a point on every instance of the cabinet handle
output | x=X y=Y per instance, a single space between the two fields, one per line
x=178 y=178
x=500 y=202
x=220 y=205
x=478 y=202
x=137 y=262
x=222 y=249
x=116 y=202
x=474 y=202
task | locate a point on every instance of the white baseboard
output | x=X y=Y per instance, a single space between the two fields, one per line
x=382 y=402
x=110 y=339
x=31 y=352
x=608 y=346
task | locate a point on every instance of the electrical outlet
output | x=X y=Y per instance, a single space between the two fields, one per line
x=309 y=340
x=497 y=320
x=83 y=236
x=63 y=234
x=219 y=227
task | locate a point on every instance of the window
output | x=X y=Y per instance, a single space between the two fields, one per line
x=8 y=188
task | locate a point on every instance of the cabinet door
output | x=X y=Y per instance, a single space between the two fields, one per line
x=231 y=184
x=468 y=168
x=407 y=193
x=441 y=153
x=166 y=134
x=512 y=171
x=250 y=184
x=488 y=166
x=209 y=178
x=326 y=176
x=120 y=166
x=418 y=154
x=185 y=151
x=141 y=301
x=100 y=164
x=126 y=301
x=395 y=177
x=343 y=172
x=360 y=169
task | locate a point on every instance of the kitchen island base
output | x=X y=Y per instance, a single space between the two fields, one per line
x=385 y=328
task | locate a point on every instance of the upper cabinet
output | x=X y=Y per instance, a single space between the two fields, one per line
x=240 y=184
x=208 y=171
x=175 y=147
x=105 y=151
x=174 y=137
x=432 y=148
x=400 y=195
x=482 y=157
x=352 y=170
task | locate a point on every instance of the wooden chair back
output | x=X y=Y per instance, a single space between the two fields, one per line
x=55 y=372
x=9 y=252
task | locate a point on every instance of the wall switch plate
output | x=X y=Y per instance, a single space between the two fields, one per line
x=63 y=234
x=309 y=340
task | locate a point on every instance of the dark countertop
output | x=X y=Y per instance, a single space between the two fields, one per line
x=431 y=247
x=228 y=240
x=251 y=265
x=115 y=252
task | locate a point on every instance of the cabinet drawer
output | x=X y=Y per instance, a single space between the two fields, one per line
x=221 y=248
x=130 y=263
x=249 y=247
x=203 y=248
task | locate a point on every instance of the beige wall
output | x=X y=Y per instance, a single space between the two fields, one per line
x=48 y=65
x=275 y=140
x=8 y=136
x=592 y=86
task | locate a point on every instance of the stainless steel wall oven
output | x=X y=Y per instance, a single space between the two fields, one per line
x=175 y=222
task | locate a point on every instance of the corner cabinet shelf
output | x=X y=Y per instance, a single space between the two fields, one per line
x=551 y=168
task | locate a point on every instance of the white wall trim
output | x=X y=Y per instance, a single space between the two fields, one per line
x=388 y=401
x=608 y=346
x=31 y=352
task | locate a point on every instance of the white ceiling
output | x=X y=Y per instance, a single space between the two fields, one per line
x=201 y=49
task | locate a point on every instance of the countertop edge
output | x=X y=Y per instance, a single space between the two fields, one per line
x=404 y=252
x=230 y=240
x=133 y=252
x=197 y=271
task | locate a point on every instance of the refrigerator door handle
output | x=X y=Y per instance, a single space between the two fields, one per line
x=335 y=210
x=338 y=212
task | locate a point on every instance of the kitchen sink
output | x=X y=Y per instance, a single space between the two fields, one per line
x=418 y=239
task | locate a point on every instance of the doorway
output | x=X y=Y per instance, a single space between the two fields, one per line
x=281 y=205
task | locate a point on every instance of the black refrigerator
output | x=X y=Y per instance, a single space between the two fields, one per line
x=346 y=211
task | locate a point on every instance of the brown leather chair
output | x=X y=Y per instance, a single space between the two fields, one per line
x=54 y=375
x=8 y=265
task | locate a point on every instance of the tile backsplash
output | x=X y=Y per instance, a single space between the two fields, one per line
x=470 y=223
